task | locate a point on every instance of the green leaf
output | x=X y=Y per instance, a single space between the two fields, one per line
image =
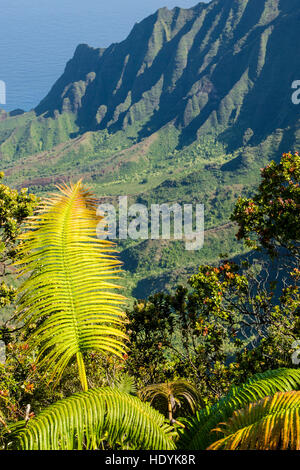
x=87 y=420
x=69 y=293
x=272 y=423
x=198 y=435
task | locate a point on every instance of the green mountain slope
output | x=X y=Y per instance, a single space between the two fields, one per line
x=186 y=109
x=227 y=65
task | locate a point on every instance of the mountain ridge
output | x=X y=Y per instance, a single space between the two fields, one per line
x=126 y=84
x=186 y=109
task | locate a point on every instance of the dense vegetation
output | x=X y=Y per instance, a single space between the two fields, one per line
x=188 y=109
x=214 y=359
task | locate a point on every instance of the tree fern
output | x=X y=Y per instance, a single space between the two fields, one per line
x=90 y=420
x=198 y=435
x=69 y=293
x=272 y=423
x=166 y=397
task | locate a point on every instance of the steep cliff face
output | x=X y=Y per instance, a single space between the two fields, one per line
x=223 y=66
x=186 y=109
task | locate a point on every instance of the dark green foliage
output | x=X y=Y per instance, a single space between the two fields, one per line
x=235 y=319
x=273 y=214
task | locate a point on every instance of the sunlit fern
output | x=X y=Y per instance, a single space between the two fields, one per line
x=93 y=420
x=272 y=423
x=69 y=293
x=198 y=435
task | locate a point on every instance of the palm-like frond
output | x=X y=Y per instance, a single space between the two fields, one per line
x=166 y=397
x=89 y=419
x=198 y=435
x=69 y=293
x=272 y=423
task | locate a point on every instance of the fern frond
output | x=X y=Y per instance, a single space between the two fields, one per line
x=126 y=384
x=69 y=293
x=198 y=435
x=87 y=420
x=272 y=423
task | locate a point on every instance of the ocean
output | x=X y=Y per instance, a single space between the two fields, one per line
x=38 y=37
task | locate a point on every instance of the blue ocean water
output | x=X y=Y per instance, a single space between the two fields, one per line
x=38 y=37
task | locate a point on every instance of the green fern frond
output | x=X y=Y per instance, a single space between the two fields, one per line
x=198 y=435
x=126 y=384
x=88 y=420
x=69 y=293
x=272 y=423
